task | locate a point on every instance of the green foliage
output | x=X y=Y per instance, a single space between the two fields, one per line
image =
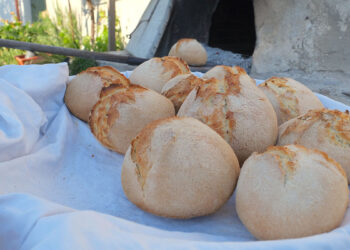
x=79 y=64
x=63 y=32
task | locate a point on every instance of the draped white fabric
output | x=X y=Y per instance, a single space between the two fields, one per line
x=60 y=189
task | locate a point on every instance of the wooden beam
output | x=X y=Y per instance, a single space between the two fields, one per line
x=71 y=52
x=111 y=25
x=17 y=11
x=131 y=60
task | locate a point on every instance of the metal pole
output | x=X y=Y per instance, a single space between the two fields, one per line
x=111 y=25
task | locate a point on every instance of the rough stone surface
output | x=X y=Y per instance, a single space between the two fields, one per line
x=310 y=35
x=218 y=56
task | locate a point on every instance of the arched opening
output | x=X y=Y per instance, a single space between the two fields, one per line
x=233 y=28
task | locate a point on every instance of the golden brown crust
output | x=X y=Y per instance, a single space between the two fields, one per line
x=157 y=182
x=139 y=149
x=105 y=111
x=287 y=162
x=285 y=158
x=84 y=90
x=109 y=75
x=182 y=65
x=334 y=121
x=154 y=73
x=313 y=200
x=285 y=95
x=180 y=91
x=181 y=41
x=216 y=91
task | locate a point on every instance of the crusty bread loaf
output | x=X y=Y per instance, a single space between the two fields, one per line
x=290 y=192
x=179 y=168
x=83 y=91
x=228 y=74
x=325 y=130
x=177 y=88
x=235 y=108
x=122 y=112
x=190 y=50
x=289 y=98
x=154 y=73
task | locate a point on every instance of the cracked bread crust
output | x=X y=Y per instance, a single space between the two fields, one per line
x=83 y=91
x=291 y=191
x=289 y=97
x=178 y=88
x=179 y=168
x=231 y=104
x=109 y=75
x=323 y=129
x=122 y=112
x=154 y=73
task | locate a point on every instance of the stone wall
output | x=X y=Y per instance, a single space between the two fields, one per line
x=309 y=35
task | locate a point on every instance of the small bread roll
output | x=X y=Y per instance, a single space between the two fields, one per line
x=289 y=98
x=122 y=112
x=83 y=91
x=325 y=130
x=179 y=168
x=190 y=50
x=177 y=88
x=236 y=109
x=154 y=73
x=291 y=192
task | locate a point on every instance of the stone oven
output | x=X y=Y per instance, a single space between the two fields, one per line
x=310 y=35
x=302 y=39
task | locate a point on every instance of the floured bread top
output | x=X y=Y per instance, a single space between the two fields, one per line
x=179 y=62
x=335 y=126
x=164 y=134
x=285 y=94
x=289 y=97
x=290 y=157
x=109 y=75
x=105 y=112
x=210 y=102
x=179 y=87
x=189 y=50
x=83 y=91
x=154 y=73
x=230 y=103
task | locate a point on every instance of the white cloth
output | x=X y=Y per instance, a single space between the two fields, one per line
x=60 y=189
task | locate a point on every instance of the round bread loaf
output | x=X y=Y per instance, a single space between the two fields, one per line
x=290 y=192
x=83 y=91
x=227 y=73
x=179 y=168
x=154 y=73
x=289 y=98
x=177 y=88
x=236 y=109
x=325 y=130
x=190 y=50
x=122 y=112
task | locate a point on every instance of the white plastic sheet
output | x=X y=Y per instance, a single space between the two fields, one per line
x=60 y=189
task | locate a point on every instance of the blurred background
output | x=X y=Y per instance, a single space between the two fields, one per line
x=306 y=40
